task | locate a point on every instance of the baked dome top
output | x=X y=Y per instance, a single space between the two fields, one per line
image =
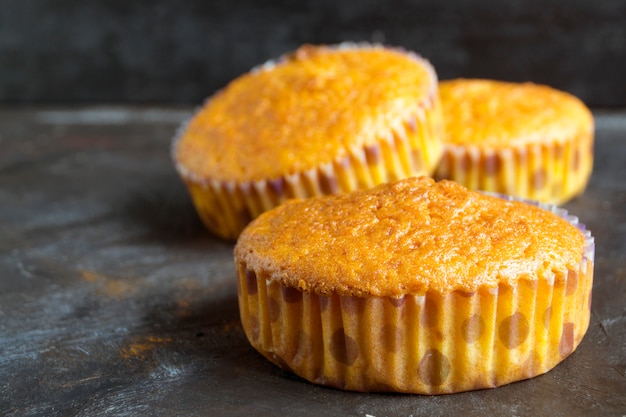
x=501 y=114
x=408 y=237
x=302 y=111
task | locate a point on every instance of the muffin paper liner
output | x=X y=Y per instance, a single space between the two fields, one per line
x=410 y=148
x=431 y=343
x=553 y=172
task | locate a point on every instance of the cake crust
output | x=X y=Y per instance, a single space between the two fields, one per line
x=304 y=111
x=498 y=114
x=408 y=237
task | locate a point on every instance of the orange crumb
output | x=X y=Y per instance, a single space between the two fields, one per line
x=143 y=347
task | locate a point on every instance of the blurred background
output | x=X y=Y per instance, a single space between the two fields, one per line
x=179 y=52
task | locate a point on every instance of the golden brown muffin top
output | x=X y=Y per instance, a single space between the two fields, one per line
x=408 y=237
x=502 y=114
x=303 y=111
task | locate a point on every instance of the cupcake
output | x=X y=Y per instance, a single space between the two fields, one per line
x=520 y=139
x=415 y=286
x=321 y=120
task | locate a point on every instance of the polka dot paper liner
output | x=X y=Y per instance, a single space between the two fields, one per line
x=411 y=148
x=552 y=172
x=429 y=343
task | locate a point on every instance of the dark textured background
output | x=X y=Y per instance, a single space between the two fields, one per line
x=141 y=51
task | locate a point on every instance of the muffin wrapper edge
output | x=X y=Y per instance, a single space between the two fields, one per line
x=553 y=172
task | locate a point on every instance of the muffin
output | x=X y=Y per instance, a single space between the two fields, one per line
x=415 y=286
x=321 y=120
x=520 y=139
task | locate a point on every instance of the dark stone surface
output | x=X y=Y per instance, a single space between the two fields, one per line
x=114 y=301
x=159 y=51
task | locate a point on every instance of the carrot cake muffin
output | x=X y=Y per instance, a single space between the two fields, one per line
x=521 y=139
x=321 y=120
x=415 y=286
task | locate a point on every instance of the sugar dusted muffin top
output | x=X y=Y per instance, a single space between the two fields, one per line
x=303 y=111
x=408 y=237
x=500 y=114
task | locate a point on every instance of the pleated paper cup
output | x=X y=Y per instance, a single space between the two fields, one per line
x=551 y=172
x=523 y=139
x=429 y=343
x=410 y=149
x=408 y=145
